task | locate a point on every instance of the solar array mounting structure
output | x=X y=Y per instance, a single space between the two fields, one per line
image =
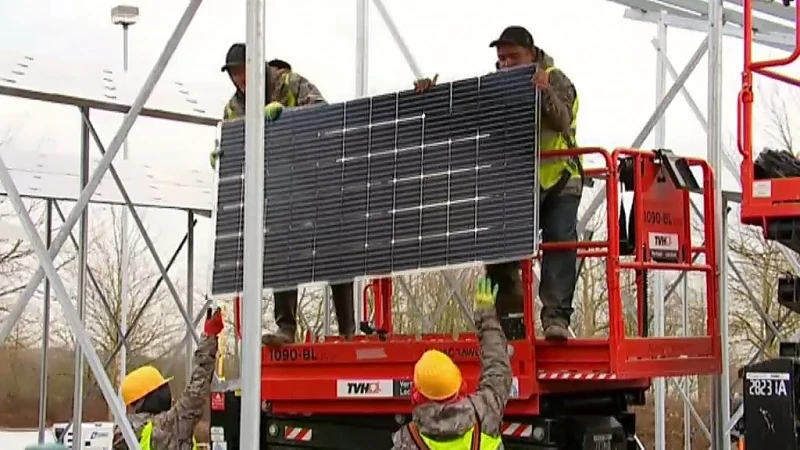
x=712 y=18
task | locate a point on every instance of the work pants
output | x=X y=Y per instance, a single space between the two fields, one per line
x=286 y=310
x=558 y=217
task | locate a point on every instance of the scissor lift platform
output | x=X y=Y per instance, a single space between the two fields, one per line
x=372 y=373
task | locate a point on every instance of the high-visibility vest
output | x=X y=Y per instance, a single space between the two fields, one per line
x=467 y=441
x=552 y=168
x=147 y=433
x=291 y=100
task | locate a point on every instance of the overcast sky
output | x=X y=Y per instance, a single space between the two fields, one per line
x=610 y=60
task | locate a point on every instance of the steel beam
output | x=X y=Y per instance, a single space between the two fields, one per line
x=774 y=40
x=43 y=366
x=721 y=404
x=659 y=383
x=398 y=38
x=142 y=229
x=105 y=162
x=83 y=239
x=362 y=48
x=69 y=311
x=252 y=307
x=189 y=287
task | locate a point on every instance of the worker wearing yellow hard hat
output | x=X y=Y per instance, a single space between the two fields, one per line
x=160 y=424
x=446 y=416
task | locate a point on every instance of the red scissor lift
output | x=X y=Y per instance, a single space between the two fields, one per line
x=322 y=392
x=770 y=201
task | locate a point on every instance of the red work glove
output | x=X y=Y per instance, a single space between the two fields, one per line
x=214 y=323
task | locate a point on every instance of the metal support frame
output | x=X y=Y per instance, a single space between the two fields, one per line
x=716 y=21
x=676 y=13
x=46 y=254
x=253 y=280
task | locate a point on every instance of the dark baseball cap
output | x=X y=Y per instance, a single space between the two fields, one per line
x=280 y=64
x=514 y=35
x=236 y=56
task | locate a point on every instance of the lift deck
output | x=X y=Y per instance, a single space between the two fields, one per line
x=326 y=393
x=372 y=373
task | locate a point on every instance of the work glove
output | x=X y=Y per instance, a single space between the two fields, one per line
x=485 y=293
x=425 y=84
x=214 y=157
x=273 y=110
x=214 y=323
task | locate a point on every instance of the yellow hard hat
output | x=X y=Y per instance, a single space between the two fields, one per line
x=141 y=382
x=436 y=376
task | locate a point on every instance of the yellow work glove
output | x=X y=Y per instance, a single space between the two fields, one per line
x=214 y=156
x=485 y=293
x=273 y=110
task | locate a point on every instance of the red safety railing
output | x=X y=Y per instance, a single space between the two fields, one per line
x=780 y=199
x=624 y=356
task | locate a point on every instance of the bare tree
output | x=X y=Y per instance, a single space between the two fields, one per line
x=159 y=328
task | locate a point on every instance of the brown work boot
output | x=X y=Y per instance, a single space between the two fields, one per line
x=556 y=332
x=277 y=339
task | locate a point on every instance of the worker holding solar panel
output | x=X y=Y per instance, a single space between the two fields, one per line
x=561 y=180
x=285 y=89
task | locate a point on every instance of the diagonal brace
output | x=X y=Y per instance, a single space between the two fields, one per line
x=143 y=230
x=95 y=284
x=117 y=409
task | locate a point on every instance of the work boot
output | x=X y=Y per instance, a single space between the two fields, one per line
x=556 y=331
x=343 y=306
x=285 y=318
x=277 y=339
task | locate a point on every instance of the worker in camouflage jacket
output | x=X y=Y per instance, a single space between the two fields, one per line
x=561 y=181
x=285 y=89
x=158 y=423
x=445 y=415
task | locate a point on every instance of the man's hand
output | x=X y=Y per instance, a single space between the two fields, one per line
x=485 y=293
x=214 y=323
x=214 y=157
x=273 y=110
x=425 y=84
x=540 y=79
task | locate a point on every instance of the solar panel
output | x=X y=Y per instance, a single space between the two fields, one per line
x=26 y=76
x=388 y=184
x=57 y=176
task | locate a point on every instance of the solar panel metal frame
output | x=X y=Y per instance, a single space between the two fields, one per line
x=56 y=176
x=301 y=229
x=28 y=76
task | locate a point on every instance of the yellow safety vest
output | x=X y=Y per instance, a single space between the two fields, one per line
x=147 y=433
x=291 y=100
x=464 y=442
x=551 y=168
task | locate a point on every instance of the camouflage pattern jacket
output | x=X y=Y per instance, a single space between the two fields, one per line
x=174 y=429
x=557 y=98
x=284 y=86
x=450 y=420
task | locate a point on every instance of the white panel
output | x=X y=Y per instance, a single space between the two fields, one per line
x=56 y=176
x=59 y=81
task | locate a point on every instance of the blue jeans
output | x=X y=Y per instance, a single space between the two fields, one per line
x=558 y=217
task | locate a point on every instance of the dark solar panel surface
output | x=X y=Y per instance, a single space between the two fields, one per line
x=386 y=184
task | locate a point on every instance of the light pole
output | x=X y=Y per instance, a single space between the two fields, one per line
x=125 y=16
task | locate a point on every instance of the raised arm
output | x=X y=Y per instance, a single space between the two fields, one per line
x=494 y=385
x=558 y=95
x=188 y=409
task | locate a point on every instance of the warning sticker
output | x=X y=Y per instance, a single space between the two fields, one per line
x=217 y=401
